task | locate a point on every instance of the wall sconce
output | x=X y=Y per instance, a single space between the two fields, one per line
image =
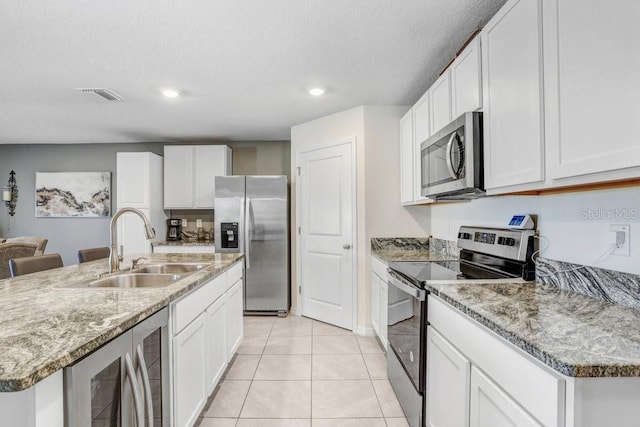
x=10 y=194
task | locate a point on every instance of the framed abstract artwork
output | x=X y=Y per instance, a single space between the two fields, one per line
x=73 y=194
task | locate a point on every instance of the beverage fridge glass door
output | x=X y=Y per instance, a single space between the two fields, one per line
x=229 y=205
x=266 y=243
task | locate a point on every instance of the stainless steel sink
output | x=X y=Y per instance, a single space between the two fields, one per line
x=130 y=280
x=169 y=268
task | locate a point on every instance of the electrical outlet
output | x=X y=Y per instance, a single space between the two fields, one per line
x=620 y=238
x=184 y=222
x=198 y=223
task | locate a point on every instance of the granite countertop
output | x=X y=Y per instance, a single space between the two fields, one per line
x=45 y=326
x=391 y=255
x=577 y=335
x=184 y=243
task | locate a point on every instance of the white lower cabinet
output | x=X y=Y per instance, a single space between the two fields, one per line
x=384 y=314
x=375 y=303
x=448 y=373
x=188 y=372
x=492 y=407
x=207 y=330
x=379 y=299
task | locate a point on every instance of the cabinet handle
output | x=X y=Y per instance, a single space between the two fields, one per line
x=133 y=382
x=148 y=399
x=247 y=234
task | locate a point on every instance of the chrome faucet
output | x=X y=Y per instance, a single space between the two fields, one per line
x=114 y=259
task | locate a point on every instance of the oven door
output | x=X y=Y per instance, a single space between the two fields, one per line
x=406 y=327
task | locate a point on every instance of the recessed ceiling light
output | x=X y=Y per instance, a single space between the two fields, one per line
x=316 y=91
x=170 y=93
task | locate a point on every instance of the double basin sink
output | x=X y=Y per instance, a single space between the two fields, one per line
x=155 y=275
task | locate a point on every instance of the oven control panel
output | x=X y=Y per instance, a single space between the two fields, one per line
x=506 y=243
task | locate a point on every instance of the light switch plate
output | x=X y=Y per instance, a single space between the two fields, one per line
x=184 y=222
x=624 y=249
x=198 y=223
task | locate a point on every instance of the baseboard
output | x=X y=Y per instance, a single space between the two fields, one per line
x=294 y=311
x=365 y=331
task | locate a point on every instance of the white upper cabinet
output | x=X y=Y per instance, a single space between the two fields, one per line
x=512 y=94
x=421 y=131
x=406 y=158
x=189 y=172
x=132 y=180
x=466 y=80
x=592 y=88
x=440 y=102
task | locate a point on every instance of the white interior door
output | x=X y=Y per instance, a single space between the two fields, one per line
x=326 y=236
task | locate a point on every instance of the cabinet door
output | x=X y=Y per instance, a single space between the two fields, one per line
x=492 y=407
x=406 y=158
x=591 y=65
x=234 y=310
x=466 y=80
x=216 y=355
x=512 y=95
x=189 y=372
x=131 y=234
x=440 y=102
x=132 y=180
x=448 y=373
x=178 y=176
x=210 y=161
x=421 y=131
x=384 y=297
x=375 y=303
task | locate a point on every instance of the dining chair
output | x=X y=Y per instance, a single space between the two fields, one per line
x=92 y=254
x=32 y=264
x=10 y=251
x=40 y=242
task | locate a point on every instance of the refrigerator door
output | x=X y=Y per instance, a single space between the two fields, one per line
x=267 y=244
x=229 y=208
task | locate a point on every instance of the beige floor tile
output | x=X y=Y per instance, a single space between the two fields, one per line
x=335 y=345
x=288 y=345
x=291 y=329
x=259 y=319
x=369 y=345
x=293 y=319
x=376 y=365
x=348 y=422
x=345 y=399
x=387 y=399
x=339 y=367
x=243 y=367
x=397 y=422
x=284 y=367
x=217 y=422
x=256 y=329
x=252 y=345
x=278 y=399
x=282 y=422
x=320 y=328
x=228 y=400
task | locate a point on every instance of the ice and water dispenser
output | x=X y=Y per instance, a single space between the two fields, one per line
x=229 y=235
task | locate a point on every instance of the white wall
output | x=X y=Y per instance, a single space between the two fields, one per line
x=379 y=214
x=575 y=224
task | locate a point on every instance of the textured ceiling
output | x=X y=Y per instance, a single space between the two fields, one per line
x=244 y=66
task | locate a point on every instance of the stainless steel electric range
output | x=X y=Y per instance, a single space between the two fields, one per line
x=486 y=254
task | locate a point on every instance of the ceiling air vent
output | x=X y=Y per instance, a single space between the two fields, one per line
x=100 y=94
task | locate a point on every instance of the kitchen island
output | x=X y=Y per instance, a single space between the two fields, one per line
x=48 y=325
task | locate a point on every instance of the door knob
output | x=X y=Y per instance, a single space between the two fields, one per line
x=346 y=246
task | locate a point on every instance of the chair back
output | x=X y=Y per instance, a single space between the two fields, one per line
x=40 y=242
x=92 y=254
x=32 y=264
x=10 y=251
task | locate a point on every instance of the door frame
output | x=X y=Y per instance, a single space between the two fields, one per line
x=354 y=223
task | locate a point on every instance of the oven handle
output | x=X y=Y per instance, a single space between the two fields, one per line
x=453 y=173
x=420 y=294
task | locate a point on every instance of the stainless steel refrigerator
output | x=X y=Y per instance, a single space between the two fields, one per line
x=251 y=215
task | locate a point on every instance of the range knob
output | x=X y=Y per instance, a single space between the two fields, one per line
x=465 y=236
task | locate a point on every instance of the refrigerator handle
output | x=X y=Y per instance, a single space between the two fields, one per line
x=247 y=233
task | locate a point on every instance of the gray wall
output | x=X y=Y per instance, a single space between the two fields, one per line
x=66 y=236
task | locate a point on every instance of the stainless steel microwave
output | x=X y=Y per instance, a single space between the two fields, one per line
x=452 y=160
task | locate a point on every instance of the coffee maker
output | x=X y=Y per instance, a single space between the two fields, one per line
x=174 y=229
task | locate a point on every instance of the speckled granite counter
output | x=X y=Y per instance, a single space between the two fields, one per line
x=577 y=335
x=407 y=249
x=183 y=243
x=45 y=326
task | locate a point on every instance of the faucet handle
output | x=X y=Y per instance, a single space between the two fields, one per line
x=121 y=253
x=135 y=263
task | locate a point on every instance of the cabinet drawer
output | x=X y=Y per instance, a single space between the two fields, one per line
x=235 y=273
x=531 y=384
x=195 y=303
x=379 y=268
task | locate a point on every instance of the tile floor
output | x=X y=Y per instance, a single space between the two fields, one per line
x=300 y=372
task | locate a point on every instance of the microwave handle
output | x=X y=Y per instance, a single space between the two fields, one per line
x=449 y=149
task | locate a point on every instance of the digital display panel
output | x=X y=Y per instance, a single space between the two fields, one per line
x=489 y=238
x=517 y=220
